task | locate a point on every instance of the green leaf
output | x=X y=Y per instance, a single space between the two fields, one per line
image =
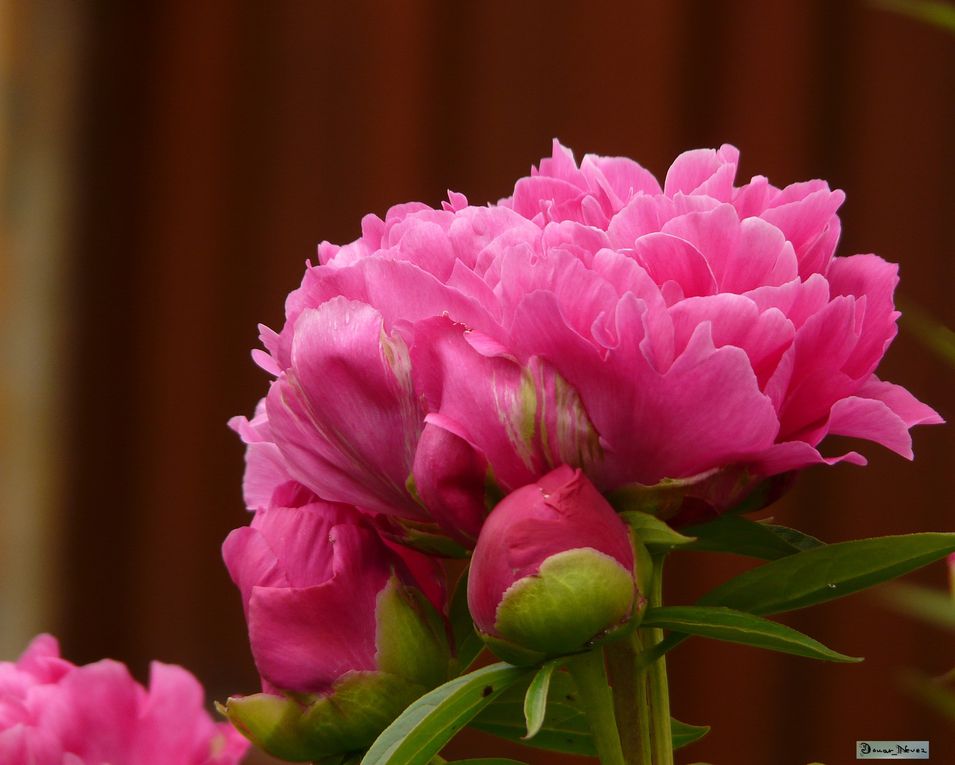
x=467 y=643
x=826 y=573
x=565 y=727
x=733 y=534
x=654 y=533
x=429 y=723
x=487 y=761
x=739 y=627
x=535 y=700
x=934 y=606
x=685 y=734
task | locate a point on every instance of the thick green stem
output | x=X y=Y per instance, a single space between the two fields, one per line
x=590 y=677
x=657 y=673
x=630 y=701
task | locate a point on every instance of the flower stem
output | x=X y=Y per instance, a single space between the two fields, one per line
x=659 y=690
x=631 y=705
x=590 y=677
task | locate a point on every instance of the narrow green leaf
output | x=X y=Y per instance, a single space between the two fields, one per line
x=826 y=573
x=467 y=643
x=739 y=627
x=565 y=727
x=733 y=534
x=430 y=722
x=654 y=533
x=535 y=700
x=685 y=734
x=934 y=606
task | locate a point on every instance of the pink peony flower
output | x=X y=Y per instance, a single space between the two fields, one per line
x=55 y=713
x=311 y=578
x=346 y=631
x=645 y=334
x=553 y=570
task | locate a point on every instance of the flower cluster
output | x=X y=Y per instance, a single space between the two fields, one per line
x=594 y=336
x=55 y=713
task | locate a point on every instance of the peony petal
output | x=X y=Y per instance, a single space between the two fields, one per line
x=810 y=223
x=872 y=278
x=669 y=258
x=873 y=420
x=908 y=408
x=736 y=321
x=101 y=697
x=344 y=416
x=305 y=638
x=703 y=171
x=450 y=477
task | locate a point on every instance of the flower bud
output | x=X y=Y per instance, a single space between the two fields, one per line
x=553 y=571
x=345 y=631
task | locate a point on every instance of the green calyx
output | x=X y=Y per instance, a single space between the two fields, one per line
x=411 y=638
x=578 y=599
x=359 y=707
x=412 y=657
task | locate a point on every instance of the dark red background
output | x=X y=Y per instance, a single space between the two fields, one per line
x=219 y=142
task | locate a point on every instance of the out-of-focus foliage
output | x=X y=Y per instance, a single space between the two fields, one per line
x=932 y=334
x=937 y=12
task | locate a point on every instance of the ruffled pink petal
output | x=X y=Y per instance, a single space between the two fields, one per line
x=809 y=378
x=671 y=259
x=484 y=394
x=736 y=321
x=251 y=561
x=811 y=225
x=345 y=416
x=303 y=639
x=450 y=477
x=872 y=420
x=100 y=697
x=794 y=455
x=619 y=178
x=872 y=278
x=173 y=725
x=652 y=425
x=908 y=408
x=704 y=171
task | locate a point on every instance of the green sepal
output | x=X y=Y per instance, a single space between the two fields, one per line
x=425 y=536
x=359 y=707
x=467 y=642
x=411 y=639
x=657 y=535
x=577 y=599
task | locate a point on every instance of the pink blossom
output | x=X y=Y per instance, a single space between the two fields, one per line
x=312 y=580
x=594 y=319
x=55 y=713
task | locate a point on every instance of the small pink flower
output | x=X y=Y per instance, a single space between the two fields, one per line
x=311 y=579
x=553 y=570
x=55 y=713
x=594 y=318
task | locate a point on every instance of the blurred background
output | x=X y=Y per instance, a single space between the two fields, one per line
x=166 y=168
